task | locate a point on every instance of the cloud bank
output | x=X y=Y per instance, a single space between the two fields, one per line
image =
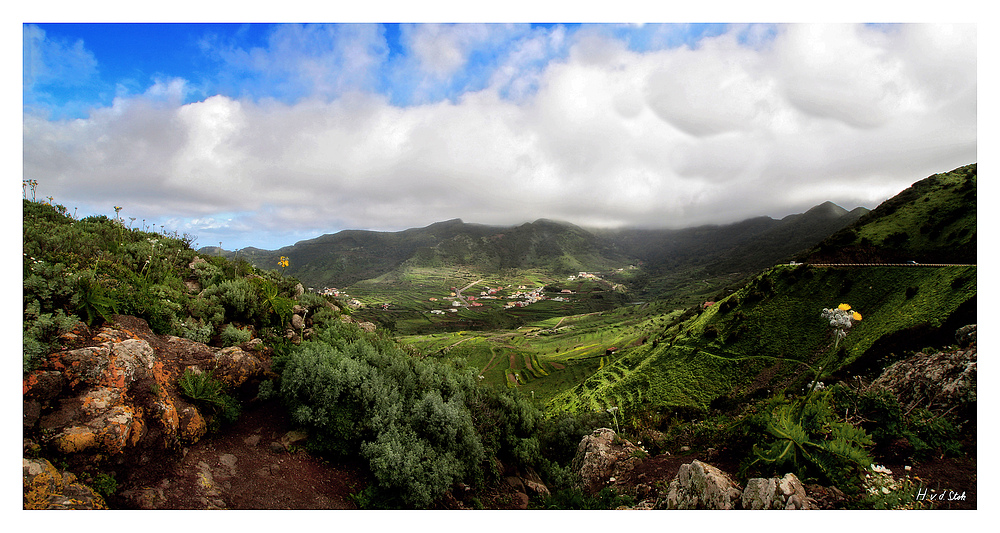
x=332 y=127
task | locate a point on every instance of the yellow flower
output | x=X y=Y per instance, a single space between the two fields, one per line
x=857 y=316
x=844 y=307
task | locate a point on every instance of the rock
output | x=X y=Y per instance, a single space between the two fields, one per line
x=299 y=290
x=943 y=381
x=298 y=322
x=367 y=326
x=521 y=500
x=966 y=336
x=234 y=366
x=116 y=400
x=293 y=438
x=45 y=487
x=699 y=485
x=761 y=493
x=794 y=493
x=601 y=456
x=826 y=497
x=774 y=493
x=534 y=484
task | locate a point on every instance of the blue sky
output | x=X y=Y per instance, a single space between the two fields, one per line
x=266 y=134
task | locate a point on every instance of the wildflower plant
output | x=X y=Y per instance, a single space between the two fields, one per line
x=883 y=491
x=841 y=319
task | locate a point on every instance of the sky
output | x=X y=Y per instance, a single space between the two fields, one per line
x=267 y=134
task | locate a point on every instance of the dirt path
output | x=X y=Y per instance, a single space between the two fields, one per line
x=247 y=467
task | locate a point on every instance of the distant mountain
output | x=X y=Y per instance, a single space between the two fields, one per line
x=932 y=221
x=745 y=246
x=346 y=257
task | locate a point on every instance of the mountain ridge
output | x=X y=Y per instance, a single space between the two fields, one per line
x=348 y=256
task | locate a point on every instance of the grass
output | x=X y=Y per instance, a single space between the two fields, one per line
x=772 y=337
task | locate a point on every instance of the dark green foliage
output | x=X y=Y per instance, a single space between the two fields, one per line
x=422 y=425
x=560 y=434
x=931 y=435
x=105 y=484
x=210 y=395
x=574 y=499
x=93 y=302
x=805 y=436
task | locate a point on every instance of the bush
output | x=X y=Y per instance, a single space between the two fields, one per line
x=805 y=436
x=234 y=336
x=421 y=424
x=210 y=395
x=197 y=332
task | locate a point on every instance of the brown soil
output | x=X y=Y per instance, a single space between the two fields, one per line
x=246 y=467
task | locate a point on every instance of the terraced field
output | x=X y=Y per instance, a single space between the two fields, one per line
x=551 y=355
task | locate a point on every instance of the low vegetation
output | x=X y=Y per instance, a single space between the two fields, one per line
x=773 y=369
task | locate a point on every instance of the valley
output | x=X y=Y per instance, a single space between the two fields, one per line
x=461 y=355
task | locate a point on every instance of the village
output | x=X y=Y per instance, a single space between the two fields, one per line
x=516 y=297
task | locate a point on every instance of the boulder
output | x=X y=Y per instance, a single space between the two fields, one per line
x=944 y=381
x=115 y=398
x=698 y=485
x=234 y=366
x=46 y=487
x=601 y=457
x=774 y=493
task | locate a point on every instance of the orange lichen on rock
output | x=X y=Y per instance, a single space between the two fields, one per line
x=30 y=381
x=76 y=439
x=45 y=487
x=193 y=425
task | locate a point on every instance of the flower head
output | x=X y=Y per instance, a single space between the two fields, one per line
x=844 y=307
x=856 y=316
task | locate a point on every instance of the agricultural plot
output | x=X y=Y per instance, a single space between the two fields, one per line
x=550 y=356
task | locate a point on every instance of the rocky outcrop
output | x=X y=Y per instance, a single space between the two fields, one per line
x=944 y=381
x=602 y=457
x=46 y=487
x=701 y=486
x=774 y=493
x=111 y=397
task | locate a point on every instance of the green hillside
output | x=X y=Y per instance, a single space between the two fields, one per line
x=933 y=221
x=769 y=335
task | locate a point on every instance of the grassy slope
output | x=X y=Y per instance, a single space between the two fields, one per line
x=933 y=221
x=783 y=325
x=769 y=334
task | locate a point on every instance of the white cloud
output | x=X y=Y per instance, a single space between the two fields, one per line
x=306 y=60
x=605 y=135
x=54 y=62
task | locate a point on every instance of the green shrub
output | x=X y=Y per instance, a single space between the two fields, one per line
x=233 y=336
x=41 y=331
x=931 y=435
x=105 y=485
x=196 y=331
x=805 y=436
x=92 y=300
x=421 y=424
x=210 y=395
